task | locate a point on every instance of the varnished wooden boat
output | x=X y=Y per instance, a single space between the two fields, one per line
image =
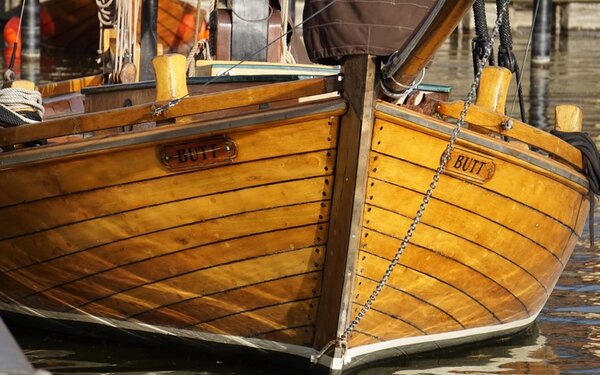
x=261 y=218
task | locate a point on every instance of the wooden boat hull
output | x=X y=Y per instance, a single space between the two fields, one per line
x=227 y=223
x=475 y=268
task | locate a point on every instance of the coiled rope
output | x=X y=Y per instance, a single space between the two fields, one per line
x=591 y=167
x=20 y=106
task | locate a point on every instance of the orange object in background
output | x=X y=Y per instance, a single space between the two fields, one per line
x=11 y=29
x=10 y=38
x=185 y=31
x=10 y=35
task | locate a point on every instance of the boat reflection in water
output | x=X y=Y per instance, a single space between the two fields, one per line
x=526 y=353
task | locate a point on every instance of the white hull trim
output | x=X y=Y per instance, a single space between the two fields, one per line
x=353 y=357
x=253 y=343
x=367 y=353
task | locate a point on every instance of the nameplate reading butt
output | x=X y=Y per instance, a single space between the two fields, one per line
x=198 y=154
x=470 y=165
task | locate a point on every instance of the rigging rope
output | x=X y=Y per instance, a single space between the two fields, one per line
x=482 y=39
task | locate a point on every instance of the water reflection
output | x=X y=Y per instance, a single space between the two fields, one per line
x=539 y=88
x=527 y=353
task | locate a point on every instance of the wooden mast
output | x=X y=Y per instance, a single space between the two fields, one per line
x=406 y=65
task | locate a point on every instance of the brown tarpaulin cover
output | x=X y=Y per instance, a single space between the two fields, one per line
x=352 y=27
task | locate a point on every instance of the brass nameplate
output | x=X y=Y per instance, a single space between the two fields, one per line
x=198 y=154
x=470 y=165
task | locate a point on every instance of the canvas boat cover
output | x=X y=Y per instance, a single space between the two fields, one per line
x=353 y=27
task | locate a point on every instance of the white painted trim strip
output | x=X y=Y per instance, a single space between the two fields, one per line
x=467 y=335
x=85 y=317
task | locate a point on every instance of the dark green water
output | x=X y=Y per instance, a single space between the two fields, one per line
x=566 y=337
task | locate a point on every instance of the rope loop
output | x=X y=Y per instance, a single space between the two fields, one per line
x=20 y=106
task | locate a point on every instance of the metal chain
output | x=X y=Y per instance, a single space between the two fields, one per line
x=442 y=167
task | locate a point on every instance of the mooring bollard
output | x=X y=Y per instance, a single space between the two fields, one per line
x=542 y=32
x=31 y=29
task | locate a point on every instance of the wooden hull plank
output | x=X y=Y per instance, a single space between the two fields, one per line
x=119 y=271
x=73 y=208
x=267 y=319
x=520 y=184
x=463 y=277
x=208 y=281
x=500 y=240
x=109 y=229
x=515 y=281
x=69 y=176
x=222 y=304
x=181 y=239
x=549 y=233
x=457 y=303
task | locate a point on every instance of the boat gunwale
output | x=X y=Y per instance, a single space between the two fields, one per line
x=167 y=133
x=504 y=150
x=170 y=110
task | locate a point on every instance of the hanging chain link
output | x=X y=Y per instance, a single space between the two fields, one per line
x=341 y=339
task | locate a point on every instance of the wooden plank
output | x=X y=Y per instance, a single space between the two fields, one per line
x=109 y=229
x=253 y=323
x=549 y=233
x=495 y=299
x=520 y=131
x=511 y=152
x=348 y=198
x=211 y=280
x=67 y=209
x=299 y=336
x=395 y=328
x=509 y=244
x=419 y=287
x=69 y=86
x=187 y=106
x=118 y=272
x=533 y=188
x=219 y=305
x=184 y=238
x=115 y=168
x=405 y=307
x=510 y=276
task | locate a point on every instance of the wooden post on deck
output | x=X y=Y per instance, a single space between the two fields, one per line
x=493 y=88
x=569 y=118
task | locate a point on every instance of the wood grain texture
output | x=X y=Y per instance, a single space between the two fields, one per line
x=64 y=177
x=348 y=197
x=549 y=234
x=519 y=184
x=520 y=131
x=124 y=238
x=144 y=113
x=475 y=259
x=72 y=208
